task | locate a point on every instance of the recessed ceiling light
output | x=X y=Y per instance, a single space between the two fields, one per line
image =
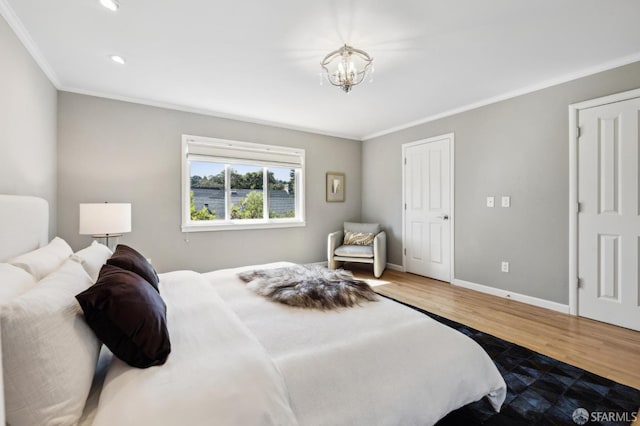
x=110 y=4
x=118 y=59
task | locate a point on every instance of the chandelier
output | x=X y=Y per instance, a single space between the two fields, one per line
x=347 y=67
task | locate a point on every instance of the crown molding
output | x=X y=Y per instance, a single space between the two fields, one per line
x=585 y=72
x=23 y=35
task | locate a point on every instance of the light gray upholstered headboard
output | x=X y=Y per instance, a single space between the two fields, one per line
x=24 y=224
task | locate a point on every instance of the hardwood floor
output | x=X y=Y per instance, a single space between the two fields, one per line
x=603 y=349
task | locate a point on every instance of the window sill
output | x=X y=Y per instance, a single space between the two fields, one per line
x=236 y=226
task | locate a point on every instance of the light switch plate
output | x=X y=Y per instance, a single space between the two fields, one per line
x=491 y=201
x=504 y=267
x=506 y=201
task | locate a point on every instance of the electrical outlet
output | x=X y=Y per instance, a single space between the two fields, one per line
x=506 y=201
x=504 y=267
x=491 y=201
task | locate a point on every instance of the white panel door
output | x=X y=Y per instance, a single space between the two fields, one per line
x=427 y=207
x=609 y=217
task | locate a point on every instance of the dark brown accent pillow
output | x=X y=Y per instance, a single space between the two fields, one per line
x=127 y=258
x=128 y=315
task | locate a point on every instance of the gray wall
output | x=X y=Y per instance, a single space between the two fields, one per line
x=123 y=152
x=518 y=147
x=27 y=124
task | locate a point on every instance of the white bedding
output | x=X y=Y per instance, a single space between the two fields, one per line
x=217 y=373
x=378 y=364
x=240 y=359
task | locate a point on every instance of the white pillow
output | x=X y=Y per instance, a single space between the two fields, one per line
x=41 y=262
x=49 y=353
x=92 y=258
x=13 y=282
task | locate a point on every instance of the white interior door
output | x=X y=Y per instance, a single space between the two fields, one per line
x=427 y=194
x=609 y=214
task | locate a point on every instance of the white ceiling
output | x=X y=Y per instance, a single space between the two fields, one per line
x=259 y=60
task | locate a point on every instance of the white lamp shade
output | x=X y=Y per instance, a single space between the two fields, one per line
x=105 y=218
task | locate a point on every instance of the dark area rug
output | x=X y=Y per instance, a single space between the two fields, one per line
x=541 y=390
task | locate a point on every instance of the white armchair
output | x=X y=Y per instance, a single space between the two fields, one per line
x=375 y=253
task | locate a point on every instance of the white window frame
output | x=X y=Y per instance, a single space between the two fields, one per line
x=226 y=152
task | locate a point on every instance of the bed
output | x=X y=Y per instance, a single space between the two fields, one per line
x=240 y=359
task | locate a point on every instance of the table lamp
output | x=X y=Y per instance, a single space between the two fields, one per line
x=105 y=220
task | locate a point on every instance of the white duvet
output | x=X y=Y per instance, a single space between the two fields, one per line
x=240 y=359
x=217 y=373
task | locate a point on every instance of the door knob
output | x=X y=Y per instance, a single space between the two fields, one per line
x=444 y=217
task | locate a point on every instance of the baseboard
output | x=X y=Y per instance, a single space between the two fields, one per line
x=323 y=263
x=530 y=300
x=395 y=267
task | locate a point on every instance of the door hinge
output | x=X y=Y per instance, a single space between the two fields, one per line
x=578 y=207
x=405 y=161
x=579 y=283
x=405 y=252
x=405 y=206
x=578 y=132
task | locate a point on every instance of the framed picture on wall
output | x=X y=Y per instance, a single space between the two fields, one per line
x=335 y=187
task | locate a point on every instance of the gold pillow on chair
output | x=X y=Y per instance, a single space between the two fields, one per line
x=358 y=238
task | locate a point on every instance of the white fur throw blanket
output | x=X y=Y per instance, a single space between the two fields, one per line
x=309 y=286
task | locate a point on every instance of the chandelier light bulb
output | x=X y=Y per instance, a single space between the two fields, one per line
x=352 y=69
x=112 y=5
x=118 y=59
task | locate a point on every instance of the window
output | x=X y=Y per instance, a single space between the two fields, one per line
x=240 y=185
